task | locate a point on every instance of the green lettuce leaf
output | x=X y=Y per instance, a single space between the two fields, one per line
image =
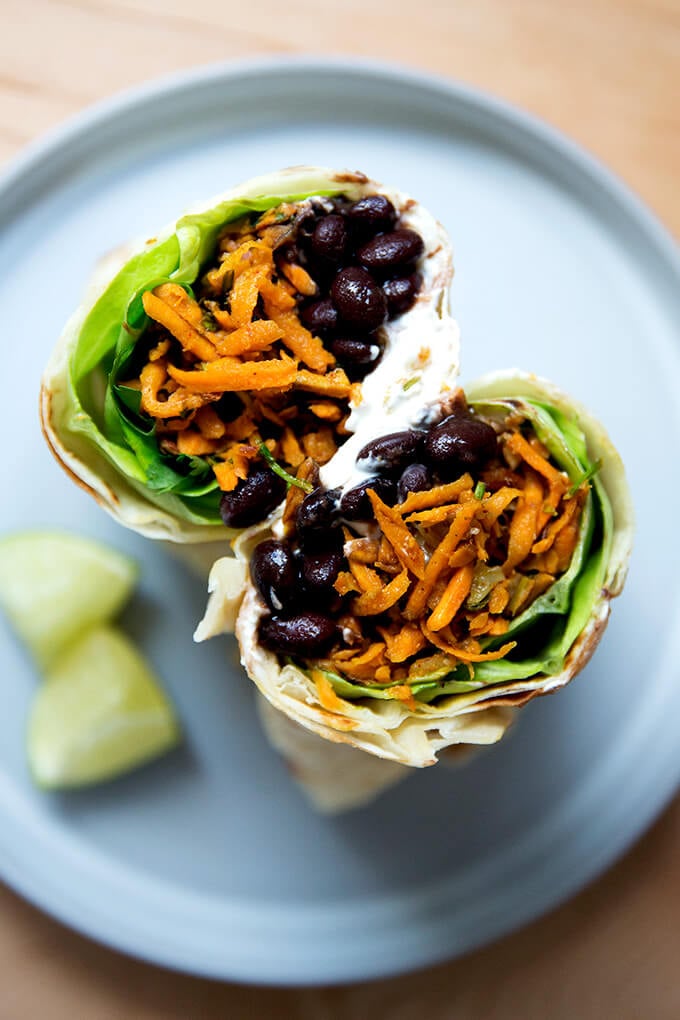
x=424 y=689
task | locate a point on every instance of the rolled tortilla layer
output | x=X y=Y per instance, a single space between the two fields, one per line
x=394 y=730
x=75 y=399
x=334 y=776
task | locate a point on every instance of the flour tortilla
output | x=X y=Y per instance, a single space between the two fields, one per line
x=335 y=777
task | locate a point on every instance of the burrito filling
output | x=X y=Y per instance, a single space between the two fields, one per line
x=468 y=555
x=241 y=379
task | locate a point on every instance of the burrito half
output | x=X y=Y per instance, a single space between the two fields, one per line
x=466 y=568
x=237 y=352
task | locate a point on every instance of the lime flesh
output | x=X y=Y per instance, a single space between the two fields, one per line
x=54 y=585
x=99 y=713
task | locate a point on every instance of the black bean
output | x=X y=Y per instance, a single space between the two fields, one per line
x=274 y=573
x=319 y=572
x=329 y=240
x=358 y=298
x=371 y=214
x=393 y=452
x=390 y=251
x=306 y=634
x=416 y=478
x=352 y=351
x=355 y=504
x=321 y=540
x=460 y=443
x=318 y=511
x=320 y=316
x=252 y=499
x=401 y=293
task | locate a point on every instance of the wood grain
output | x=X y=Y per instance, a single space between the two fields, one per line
x=607 y=73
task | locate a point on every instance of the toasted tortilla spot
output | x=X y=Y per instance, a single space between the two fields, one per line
x=45 y=414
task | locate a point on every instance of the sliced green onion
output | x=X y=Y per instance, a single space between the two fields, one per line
x=585 y=477
x=281 y=472
x=480 y=489
x=209 y=324
x=410 y=382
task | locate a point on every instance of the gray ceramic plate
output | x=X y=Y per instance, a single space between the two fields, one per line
x=210 y=860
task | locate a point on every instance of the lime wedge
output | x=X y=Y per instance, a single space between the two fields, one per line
x=53 y=585
x=99 y=713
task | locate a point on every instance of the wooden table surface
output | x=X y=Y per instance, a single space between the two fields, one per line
x=607 y=72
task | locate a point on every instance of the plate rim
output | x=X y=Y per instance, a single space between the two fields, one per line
x=16 y=175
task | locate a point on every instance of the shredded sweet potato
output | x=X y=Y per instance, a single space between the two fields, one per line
x=152 y=379
x=244 y=294
x=306 y=472
x=439 y=559
x=478 y=623
x=497 y=626
x=209 y=424
x=493 y=506
x=362 y=550
x=462 y=653
x=240 y=428
x=234 y=337
x=300 y=342
x=430 y=664
x=465 y=554
x=300 y=279
x=277 y=297
x=252 y=336
x=366 y=578
x=564 y=545
x=158 y=307
x=517 y=444
x=406 y=643
x=234 y=465
x=364 y=665
x=193 y=444
x=403 y=692
x=435 y=515
x=524 y=526
x=387 y=558
x=467 y=651
x=499 y=598
x=320 y=445
x=405 y=547
x=159 y=351
x=290 y=446
x=371 y=603
x=327 y=696
x=334 y=384
x=326 y=411
x=436 y=496
x=229 y=374
x=568 y=514
x=346 y=583
x=454 y=595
